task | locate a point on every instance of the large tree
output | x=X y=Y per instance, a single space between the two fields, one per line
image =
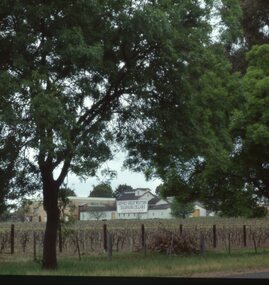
x=81 y=74
x=215 y=148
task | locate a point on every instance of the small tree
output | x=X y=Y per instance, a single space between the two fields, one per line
x=181 y=209
x=102 y=190
x=64 y=202
x=96 y=212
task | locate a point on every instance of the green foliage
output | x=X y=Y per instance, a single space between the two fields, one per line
x=180 y=209
x=250 y=123
x=57 y=58
x=102 y=190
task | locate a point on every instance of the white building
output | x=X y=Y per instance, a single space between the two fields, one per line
x=136 y=204
x=139 y=203
x=152 y=206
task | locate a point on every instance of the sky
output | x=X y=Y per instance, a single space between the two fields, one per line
x=134 y=179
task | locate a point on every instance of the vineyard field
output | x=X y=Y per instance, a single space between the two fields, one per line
x=88 y=237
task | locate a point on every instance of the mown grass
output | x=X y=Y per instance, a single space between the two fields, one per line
x=136 y=264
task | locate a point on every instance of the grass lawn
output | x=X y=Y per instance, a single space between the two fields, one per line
x=212 y=264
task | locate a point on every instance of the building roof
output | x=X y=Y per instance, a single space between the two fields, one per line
x=142 y=189
x=127 y=196
x=154 y=200
x=90 y=198
x=199 y=204
x=158 y=207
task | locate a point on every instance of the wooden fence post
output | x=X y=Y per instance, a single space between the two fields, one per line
x=12 y=237
x=214 y=236
x=143 y=235
x=180 y=229
x=143 y=238
x=245 y=235
x=105 y=237
x=109 y=246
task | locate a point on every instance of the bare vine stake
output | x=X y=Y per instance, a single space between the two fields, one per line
x=171 y=244
x=214 y=236
x=79 y=256
x=60 y=238
x=12 y=237
x=229 y=243
x=202 y=243
x=34 y=238
x=254 y=242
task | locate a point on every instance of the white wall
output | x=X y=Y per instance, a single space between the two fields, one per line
x=151 y=214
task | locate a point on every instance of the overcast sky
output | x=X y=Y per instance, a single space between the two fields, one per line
x=134 y=179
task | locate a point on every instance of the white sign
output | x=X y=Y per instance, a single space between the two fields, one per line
x=137 y=206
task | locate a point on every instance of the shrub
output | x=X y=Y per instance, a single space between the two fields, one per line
x=165 y=241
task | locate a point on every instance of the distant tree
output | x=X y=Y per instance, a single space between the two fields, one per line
x=102 y=190
x=180 y=209
x=158 y=190
x=120 y=189
x=25 y=207
x=5 y=216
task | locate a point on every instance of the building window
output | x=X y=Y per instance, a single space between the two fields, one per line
x=128 y=215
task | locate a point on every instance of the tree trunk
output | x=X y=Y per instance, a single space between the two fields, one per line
x=50 y=196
